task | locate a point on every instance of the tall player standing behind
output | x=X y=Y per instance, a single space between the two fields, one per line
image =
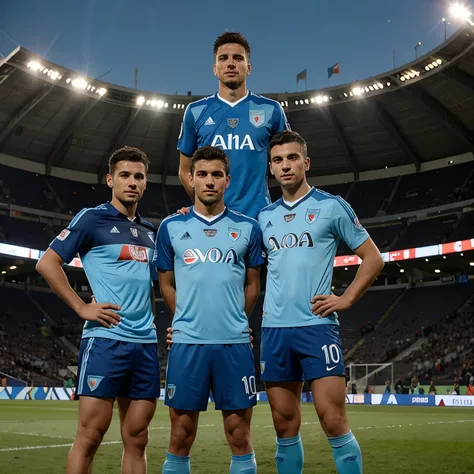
x=118 y=357
x=300 y=329
x=237 y=121
x=209 y=263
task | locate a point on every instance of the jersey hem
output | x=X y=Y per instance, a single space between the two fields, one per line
x=121 y=338
x=299 y=325
x=220 y=342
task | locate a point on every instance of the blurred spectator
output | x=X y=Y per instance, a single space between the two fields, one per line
x=432 y=390
x=387 y=387
x=470 y=387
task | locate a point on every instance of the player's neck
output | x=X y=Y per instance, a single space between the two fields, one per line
x=232 y=95
x=209 y=211
x=129 y=211
x=297 y=192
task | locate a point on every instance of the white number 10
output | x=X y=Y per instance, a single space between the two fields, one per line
x=250 y=385
x=331 y=354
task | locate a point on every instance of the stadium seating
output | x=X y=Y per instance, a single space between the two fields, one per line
x=25 y=233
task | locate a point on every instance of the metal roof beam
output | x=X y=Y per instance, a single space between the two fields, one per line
x=123 y=131
x=63 y=142
x=389 y=123
x=22 y=111
x=446 y=117
x=337 y=127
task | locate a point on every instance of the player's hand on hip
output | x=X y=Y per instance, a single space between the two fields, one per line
x=324 y=305
x=183 y=210
x=101 y=313
x=169 y=337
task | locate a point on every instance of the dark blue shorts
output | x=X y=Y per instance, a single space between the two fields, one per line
x=108 y=369
x=300 y=353
x=195 y=370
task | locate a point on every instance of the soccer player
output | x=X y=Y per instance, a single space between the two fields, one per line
x=236 y=120
x=300 y=328
x=209 y=273
x=118 y=357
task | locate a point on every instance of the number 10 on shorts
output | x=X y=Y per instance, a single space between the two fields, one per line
x=331 y=354
x=250 y=386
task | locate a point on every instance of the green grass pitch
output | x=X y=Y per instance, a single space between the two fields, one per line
x=35 y=438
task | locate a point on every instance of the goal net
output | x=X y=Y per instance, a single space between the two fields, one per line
x=373 y=376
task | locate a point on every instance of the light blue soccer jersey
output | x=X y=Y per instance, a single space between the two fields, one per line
x=209 y=260
x=243 y=130
x=301 y=243
x=116 y=254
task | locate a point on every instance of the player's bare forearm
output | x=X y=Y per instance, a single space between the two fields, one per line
x=50 y=268
x=372 y=264
x=168 y=292
x=252 y=289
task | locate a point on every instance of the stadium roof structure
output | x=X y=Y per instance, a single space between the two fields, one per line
x=410 y=116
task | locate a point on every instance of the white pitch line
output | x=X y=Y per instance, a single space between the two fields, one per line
x=28 y=448
x=36 y=434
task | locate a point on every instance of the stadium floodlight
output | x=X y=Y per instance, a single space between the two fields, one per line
x=148 y=102
x=140 y=100
x=437 y=270
x=402 y=78
x=376 y=87
x=153 y=102
x=326 y=98
x=357 y=91
x=427 y=68
x=53 y=75
x=319 y=99
x=402 y=270
x=471 y=264
x=101 y=91
x=174 y=106
x=13 y=267
x=371 y=88
x=4 y=272
x=461 y=12
x=366 y=89
x=88 y=87
x=79 y=83
x=160 y=104
x=388 y=84
x=34 y=65
x=345 y=94
x=439 y=61
x=166 y=105
x=306 y=101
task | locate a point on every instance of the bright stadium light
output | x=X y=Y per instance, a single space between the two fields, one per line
x=101 y=91
x=402 y=78
x=402 y=270
x=461 y=12
x=140 y=100
x=34 y=65
x=437 y=270
x=471 y=264
x=306 y=101
x=160 y=104
x=13 y=267
x=319 y=99
x=326 y=98
x=357 y=91
x=345 y=94
x=79 y=83
x=53 y=75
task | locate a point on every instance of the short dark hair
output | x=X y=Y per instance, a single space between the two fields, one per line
x=288 y=136
x=210 y=153
x=232 y=37
x=127 y=153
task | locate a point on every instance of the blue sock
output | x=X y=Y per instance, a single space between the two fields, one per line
x=289 y=455
x=245 y=464
x=347 y=455
x=176 y=464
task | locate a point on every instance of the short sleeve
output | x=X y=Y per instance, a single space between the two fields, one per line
x=346 y=225
x=163 y=258
x=187 y=140
x=280 y=122
x=253 y=256
x=76 y=238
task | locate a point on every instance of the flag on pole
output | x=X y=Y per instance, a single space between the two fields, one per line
x=334 y=69
x=301 y=76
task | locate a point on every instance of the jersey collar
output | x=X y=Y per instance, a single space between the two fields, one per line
x=205 y=221
x=233 y=104
x=116 y=213
x=303 y=199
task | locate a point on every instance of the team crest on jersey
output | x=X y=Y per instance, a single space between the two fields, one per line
x=262 y=367
x=234 y=233
x=134 y=231
x=357 y=223
x=312 y=215
x=233 y=122
x=171 y=390
x=289 y=217
x=210 y=232
x=93 y=381
x=257 y=118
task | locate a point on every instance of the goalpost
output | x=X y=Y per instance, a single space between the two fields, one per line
x=373 y=375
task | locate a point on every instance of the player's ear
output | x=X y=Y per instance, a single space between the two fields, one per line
x=249 y=69
x=191 y=180
x=307 y=163
x=227 y=181
x=215 y=69
x=109 y=181
x=271 y=168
